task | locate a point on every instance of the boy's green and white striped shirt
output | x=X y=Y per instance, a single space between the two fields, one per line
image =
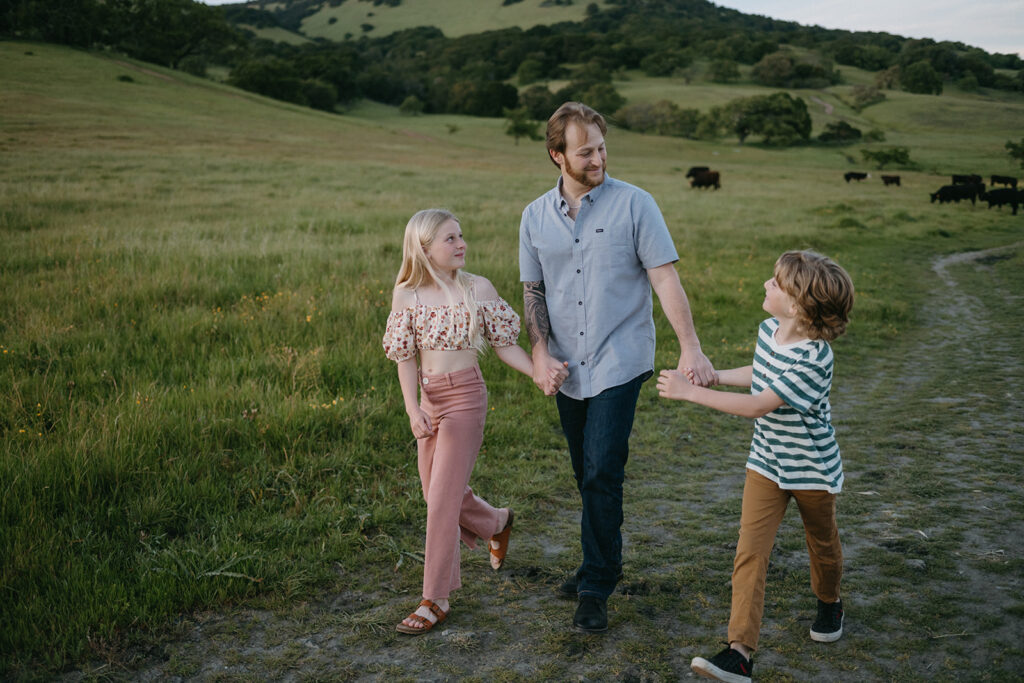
x=795 y=445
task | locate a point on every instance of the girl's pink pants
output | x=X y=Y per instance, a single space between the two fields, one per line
x=457 y=405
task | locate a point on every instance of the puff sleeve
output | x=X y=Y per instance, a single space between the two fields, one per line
x=501 y=323
x=400 y=336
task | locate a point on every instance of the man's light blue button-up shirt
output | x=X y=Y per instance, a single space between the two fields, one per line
x=594 y=271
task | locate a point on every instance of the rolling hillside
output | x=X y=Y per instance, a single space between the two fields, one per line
x=198 y=417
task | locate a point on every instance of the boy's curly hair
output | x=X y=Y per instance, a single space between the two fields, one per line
x=822 y=290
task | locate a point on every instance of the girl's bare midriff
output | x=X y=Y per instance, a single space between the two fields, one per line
x=443 y=362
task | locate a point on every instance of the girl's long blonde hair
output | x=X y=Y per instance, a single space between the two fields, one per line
x=420 y=232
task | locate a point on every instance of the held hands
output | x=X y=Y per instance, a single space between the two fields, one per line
x=697 y=367
x=420 y=423
x=549 y=374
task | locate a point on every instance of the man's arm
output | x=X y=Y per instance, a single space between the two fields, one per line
x=546 y=369
x=665 y=281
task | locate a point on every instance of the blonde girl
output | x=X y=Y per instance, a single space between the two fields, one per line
x=441 y=318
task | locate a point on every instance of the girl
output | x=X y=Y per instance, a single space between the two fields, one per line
x=446 y=317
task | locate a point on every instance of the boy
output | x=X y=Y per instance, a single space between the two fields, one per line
x=793 y=452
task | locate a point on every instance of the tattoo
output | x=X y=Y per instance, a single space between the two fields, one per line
x=535 y=313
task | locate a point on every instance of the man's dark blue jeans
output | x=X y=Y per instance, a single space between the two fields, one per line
x=597 y=430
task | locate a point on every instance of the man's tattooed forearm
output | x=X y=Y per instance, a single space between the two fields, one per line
x=538 y=326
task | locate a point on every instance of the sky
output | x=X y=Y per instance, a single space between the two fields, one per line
x=992 y=25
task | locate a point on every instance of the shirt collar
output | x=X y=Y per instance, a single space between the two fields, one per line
x=561 y=204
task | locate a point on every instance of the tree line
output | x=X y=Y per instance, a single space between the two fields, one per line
x=423 y=71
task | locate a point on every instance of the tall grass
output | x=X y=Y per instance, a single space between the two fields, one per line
x=196 y=409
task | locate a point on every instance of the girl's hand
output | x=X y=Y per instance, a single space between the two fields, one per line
x=558 y=375
x=420 y=423
x=674 y=384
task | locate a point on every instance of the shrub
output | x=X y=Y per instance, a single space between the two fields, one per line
x=780 y=118
x=660 y=118
x=840 y=133
x=539 y=102
x=665 y=63
x=319 y=95
x=921 y=78
x=724 y=70
x=411 y=106
x=884 y=157
x=866 y=95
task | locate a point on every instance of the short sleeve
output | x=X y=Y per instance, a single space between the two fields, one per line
x=501 y=323
x=400 y=336
x=807 y=381
x=654 y=244
x=529 y=261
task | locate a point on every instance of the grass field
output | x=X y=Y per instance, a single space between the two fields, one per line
x=454 y=17
x=196 y=412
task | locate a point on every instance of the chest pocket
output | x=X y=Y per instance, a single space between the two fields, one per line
x=608 y=248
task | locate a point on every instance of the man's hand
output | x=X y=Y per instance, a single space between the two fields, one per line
x=549 y=373
x=697 y=367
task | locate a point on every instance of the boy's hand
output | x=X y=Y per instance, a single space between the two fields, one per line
x=674 y=384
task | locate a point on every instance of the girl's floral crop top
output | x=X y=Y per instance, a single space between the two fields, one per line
x=446 y=328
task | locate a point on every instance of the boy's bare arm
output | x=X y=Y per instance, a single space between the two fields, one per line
x=733 y=377
x=674 y=384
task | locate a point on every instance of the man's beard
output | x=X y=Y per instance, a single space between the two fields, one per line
x=582 y=178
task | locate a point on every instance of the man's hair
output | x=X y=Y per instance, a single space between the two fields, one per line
x=822 y=290
x=570 y=112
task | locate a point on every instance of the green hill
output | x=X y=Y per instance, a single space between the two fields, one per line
x=454 y=17
x=197 y=412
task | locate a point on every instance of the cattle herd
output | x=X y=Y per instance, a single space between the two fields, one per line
x=970 y=186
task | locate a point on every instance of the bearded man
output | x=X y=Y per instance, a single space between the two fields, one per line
x=590 y=250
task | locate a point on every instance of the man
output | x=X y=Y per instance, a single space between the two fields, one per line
x=590 y=250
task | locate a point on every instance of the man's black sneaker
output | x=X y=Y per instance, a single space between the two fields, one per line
x=728 y=665
x=828 y=627
x=591 y=614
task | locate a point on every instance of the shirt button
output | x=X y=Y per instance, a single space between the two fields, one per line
x=580 y=303
x=426 y=380
x=578 y=270
x=583 y=362
x=581 y=334
x=577 y=241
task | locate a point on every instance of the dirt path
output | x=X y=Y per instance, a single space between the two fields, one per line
x=930 y=518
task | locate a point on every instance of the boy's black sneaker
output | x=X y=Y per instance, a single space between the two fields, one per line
x=728 y=665
x=828 y=627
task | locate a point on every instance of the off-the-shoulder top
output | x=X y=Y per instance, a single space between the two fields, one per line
x=446 y=328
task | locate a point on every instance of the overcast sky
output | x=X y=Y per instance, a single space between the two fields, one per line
x=993 y=25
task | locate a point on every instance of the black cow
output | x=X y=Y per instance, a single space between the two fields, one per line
x=1004 y=180
x=706 y=179
x=971 y=179
x=954 y=193
x=694 y=170
x=1003 y=195
x=891 y=180
x=855 y=175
